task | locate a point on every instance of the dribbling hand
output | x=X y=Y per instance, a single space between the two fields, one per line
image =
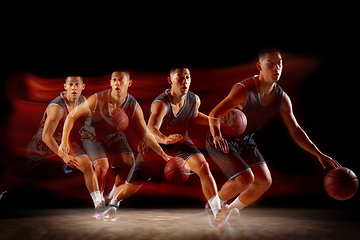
x=221 y=143
x=323 y=159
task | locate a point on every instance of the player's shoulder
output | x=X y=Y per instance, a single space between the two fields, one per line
x=102 y=93
x=162 y=98
x=60 y=99
x=57 y=103
x=161 y=102
x=194 y=96
x=248 y=82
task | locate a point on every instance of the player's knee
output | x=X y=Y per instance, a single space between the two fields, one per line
x=266 y=181
x=85 y=166
x=245 y=179
x=101 y=167
x=204 y=168
x=263 y=183
x=129 y=161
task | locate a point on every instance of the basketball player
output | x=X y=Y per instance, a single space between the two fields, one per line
x=106 y=140
x=171 y=113
x=259 y=97
x=45 y=144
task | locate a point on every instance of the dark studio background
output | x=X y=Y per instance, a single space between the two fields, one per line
x=322 y=53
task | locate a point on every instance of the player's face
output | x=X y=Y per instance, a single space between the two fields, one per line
x=180 y=81
x=120 y=82
x=271 y=67
x=74 y=87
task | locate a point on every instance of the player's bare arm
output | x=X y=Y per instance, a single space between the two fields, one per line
x=235 y=99
x=158 y=112
x=54 y=114
x=199 y=117
x=82 y=110
x=299 y=135
x=146 y=134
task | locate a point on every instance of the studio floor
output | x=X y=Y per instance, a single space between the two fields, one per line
x=254 y=223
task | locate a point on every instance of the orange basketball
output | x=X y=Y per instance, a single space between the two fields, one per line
x=234 y=123
x=118 y=121
x=341 y=183
x=175 y=170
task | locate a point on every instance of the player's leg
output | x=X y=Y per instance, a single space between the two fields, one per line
x=236 y=185
x=134 y=181
x=199 y=165
x=96 y=154
x=101 y=167
x=261 y=184
x=124 y=164
x=262 y=176
x=122 y=192
x=85 y=166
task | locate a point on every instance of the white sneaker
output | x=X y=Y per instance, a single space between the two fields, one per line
x=110 y=214
x=213 y=220
x=99 y=211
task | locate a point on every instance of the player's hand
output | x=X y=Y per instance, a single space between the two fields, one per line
x=167 y=157
x=64 y=148
x=173 y=138
x=71 y=161
x=323 y=159
x=221 y=143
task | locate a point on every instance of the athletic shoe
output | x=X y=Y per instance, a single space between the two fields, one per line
x=110 y=214
x=223 y=224
x=232 y=214
x=213 y=220
x=99 y=210
x=230 y=218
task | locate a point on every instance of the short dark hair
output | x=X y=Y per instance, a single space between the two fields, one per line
x=267 y=50
x=177 y=66
x=82 y=80
x=127 y=73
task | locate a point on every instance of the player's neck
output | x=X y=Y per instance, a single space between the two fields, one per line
x=71 y=102
x=117 y=98
x=176 y=99
x=265 y=87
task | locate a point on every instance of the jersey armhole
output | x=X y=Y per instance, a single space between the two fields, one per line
x=247 y=93
x=167 y=109
x=136 y=103
x=196 y=102
x=55 y=104
x=282 y=99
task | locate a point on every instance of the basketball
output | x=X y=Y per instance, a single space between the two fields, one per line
x=120 y=121
x=234 y=123
x=175 y=171
x=341 y=183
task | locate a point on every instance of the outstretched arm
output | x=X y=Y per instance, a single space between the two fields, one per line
x=54 y=114
x=299 y=135
x=82 y=110
x=147 y=135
